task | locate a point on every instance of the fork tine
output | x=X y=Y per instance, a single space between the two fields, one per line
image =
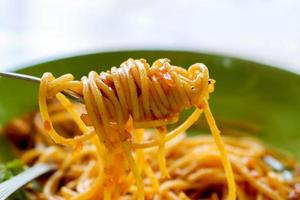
x=13 y=184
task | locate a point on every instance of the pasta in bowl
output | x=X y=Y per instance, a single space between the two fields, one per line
x=119 y=159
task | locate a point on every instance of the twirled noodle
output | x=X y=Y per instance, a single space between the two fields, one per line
x=130 y=97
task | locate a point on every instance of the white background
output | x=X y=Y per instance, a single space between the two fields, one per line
x=264 y=30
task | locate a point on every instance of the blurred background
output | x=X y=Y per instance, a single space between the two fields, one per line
x=264 y=30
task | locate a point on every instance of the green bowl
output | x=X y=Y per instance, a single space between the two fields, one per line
x=249 y=97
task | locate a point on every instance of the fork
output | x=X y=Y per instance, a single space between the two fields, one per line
x=11 y=185
x=68 y=93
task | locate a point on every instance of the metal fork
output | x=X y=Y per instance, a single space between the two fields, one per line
x=11 y=185
x=68 y=93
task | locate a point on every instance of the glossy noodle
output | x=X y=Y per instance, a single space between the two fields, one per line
x=117 y=145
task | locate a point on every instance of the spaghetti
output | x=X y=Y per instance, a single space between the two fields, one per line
x=117 y=146
x=194 y=165
x=127 y=98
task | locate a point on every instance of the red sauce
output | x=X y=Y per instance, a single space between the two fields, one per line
x=165 y=78
x=202 y=106
x=85 y=118
x=47 y=125
x=168 y=80
x=108 y=183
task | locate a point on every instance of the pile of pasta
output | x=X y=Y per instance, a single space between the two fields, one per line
x=115 y=144
x=194 y=165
